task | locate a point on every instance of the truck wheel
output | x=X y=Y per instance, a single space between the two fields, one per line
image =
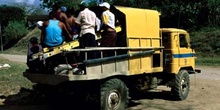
x=114 y=95
x=180 y=89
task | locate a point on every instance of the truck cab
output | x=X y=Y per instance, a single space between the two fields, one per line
x=178 y=53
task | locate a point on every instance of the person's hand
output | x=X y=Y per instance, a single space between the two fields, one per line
x=75 y=37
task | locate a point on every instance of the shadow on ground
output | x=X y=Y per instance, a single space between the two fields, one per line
x=150 y=95
x=29 y=100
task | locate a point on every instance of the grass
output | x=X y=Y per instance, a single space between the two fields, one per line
x=11 y=79
x=208 y=61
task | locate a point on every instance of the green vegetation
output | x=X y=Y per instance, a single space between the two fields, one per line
x=11 y=79
x=184 y=14
x=21 y=46
x=9 y=13
x=68 y=3
x=207 y=41
x=15 y=30
x=208 y=61
x=12 y=18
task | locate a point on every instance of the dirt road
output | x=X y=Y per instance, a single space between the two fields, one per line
x=204 y=95
x=19 y=58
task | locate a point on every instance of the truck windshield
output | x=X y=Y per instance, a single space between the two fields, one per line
x=182 y=40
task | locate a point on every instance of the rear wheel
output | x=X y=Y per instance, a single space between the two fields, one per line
x=114 y=95
x=180 y=89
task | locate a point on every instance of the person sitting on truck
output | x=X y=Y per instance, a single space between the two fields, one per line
x=52 y=32
x=33 y=48
x=61 y=15
x=108 y=26
x=86 y=20
x=71 y=21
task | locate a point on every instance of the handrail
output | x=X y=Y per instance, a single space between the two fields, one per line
x=112 y=48
x=118 y=57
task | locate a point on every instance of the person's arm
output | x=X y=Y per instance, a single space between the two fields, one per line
x=98 y=24
x=105 y=19
x=65 y=20
x=78 y=20
x=43 y=33
x=63 y=27
x=74 y=28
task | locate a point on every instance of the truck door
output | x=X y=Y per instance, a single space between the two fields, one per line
x=185 y=52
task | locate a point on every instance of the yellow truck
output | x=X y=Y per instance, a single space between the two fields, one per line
x=146 y=56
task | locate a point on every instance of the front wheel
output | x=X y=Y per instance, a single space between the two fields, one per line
x=180 y=89
x=114 y=95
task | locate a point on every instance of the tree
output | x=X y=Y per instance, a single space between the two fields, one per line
x=15 y=30
x=10 y=13
x=68 y=3
x=30 y=9
x=214 y=10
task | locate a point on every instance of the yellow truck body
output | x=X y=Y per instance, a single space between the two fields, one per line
x=142 y=31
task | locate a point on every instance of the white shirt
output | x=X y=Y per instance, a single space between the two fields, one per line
x=87 y=20
x=108 y=18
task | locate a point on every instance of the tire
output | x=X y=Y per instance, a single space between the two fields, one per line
x=181 y=87
x=114 y=95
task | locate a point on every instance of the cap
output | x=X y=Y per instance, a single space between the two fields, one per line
x=83 y=3
x=40 y=23
x=105 y=4
x=63 y=9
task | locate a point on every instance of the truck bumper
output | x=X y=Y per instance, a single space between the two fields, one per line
x=197 y=71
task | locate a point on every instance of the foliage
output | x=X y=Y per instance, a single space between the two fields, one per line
x=68 y=3
x=15 y=30
x=21 y=46
x=207 y=40
x=36 y=11
x=214 y=10
x=30 y=9
x=174 y=13
x=9 y=13
x=181 y=13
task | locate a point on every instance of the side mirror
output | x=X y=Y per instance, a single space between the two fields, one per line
x=193 y=45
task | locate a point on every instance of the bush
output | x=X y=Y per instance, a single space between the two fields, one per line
x=15 y=30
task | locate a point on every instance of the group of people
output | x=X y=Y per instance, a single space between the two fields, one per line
x=87 y=20
x=63 y=26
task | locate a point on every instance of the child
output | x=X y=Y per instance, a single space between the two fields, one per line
x=33 y=48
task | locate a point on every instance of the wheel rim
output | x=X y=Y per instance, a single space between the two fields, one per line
x=113 y=100
x=184 y=85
